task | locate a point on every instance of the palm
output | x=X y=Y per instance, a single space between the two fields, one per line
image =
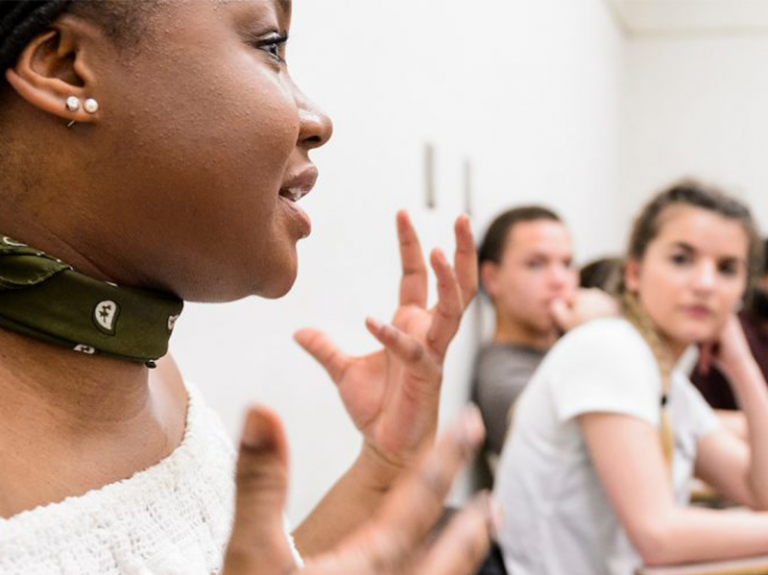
x=394 y=407
x=392 y=395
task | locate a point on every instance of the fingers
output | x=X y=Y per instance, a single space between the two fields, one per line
x=403 y=346
x=465 y=260
x=258 y=543
x=449 y=308
x=413 y=285
x=417 y=501
x=562 y=314
x=319 y=346
x=464 y=543
x=705 y=358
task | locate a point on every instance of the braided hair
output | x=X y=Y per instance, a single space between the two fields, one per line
x=123 y=21
x=22 y=20
x=646 y=228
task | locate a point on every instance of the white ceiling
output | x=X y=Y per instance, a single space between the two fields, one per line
x=692 y=16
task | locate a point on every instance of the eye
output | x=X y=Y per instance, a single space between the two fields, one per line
x=535 y=264
x=728 y=267
x=680 y=259
x=274 y=45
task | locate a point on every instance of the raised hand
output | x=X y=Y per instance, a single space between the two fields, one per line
x=393 y=394
x=391 y=542
x=731 y=352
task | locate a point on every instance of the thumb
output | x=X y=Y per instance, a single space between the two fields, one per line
x=258 y=542
x=561 y=313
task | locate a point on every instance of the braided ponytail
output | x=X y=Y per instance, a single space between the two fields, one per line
x=634 y=312
x=22 y=20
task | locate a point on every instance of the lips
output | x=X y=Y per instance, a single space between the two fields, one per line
x=698 y=311
x=296 y=187
x=292 y=191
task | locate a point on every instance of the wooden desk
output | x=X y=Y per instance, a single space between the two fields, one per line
x=751 y=566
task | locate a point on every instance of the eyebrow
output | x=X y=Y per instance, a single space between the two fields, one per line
x=684 y=246
x=689 y=248
x=284 y=5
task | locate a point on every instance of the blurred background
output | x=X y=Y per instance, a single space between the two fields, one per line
x=443 y=107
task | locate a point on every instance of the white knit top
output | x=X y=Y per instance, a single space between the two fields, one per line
x=171 y=519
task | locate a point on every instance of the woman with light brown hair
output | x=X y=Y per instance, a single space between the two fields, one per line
x=595 y=475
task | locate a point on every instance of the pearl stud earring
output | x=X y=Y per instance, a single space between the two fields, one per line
x=73 y=103
x=91 y=106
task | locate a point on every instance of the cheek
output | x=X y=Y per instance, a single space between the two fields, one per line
x=658 y=294
x=731 y=297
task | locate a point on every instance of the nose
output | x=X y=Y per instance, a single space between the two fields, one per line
x=559 y=276
x=705 y=274
x=315 y=127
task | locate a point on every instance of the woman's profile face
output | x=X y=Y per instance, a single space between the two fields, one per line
x=693 y=274
x=201 y=149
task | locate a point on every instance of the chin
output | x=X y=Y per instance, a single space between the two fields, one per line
x=275 y=292
x=278 y=285
x=696 y=334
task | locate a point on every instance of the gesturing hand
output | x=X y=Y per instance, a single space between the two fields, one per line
x=393 y=394
x=390 y=543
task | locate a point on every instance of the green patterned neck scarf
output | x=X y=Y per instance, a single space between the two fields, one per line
x=44 y=298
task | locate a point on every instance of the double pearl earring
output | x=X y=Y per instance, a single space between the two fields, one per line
x=73 y=105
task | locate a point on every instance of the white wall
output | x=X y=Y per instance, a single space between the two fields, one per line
x=528 y=90
x=697 y=105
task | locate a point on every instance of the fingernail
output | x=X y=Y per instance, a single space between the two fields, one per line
x=375 y=324
x=254 y=436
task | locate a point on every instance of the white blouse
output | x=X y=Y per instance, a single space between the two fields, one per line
x=171 y=519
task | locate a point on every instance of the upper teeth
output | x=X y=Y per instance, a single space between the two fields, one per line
x=293 y=194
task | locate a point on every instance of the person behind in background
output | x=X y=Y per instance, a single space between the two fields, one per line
x=527 y=271
x=153 y=152
x=594 y=479
x=603 y=274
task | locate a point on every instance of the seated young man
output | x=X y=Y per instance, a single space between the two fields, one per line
x=527 y=272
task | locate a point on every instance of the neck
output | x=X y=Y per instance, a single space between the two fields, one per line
x=516 y=333
x=674 y=348
x=78 y=391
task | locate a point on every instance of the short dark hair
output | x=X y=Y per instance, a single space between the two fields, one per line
x=22 y=20
x=492 y=246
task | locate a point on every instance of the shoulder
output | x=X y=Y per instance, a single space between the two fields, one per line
x=502 y=361
x=604 y=366
x=606 y=338
x=507 y=353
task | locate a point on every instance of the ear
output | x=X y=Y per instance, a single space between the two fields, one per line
x=54 y=66
x=632 y=275
x=489 y=278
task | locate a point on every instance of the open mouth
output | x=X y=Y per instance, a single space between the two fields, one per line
x=300 y=185
x=293 y=194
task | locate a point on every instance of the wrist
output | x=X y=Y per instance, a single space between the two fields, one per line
x=376 y=472
x=745 y=374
